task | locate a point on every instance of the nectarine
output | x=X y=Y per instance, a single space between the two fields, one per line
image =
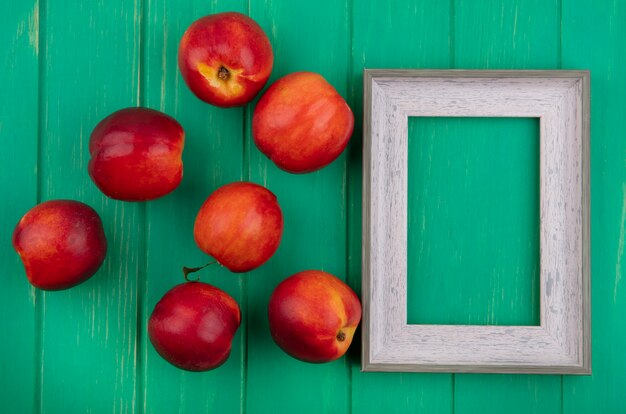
x=225 y=59
x=136 y=154
x=302 y=123
x=61 y=244
x=240 y=225
x=313 y=316
x=193 y=326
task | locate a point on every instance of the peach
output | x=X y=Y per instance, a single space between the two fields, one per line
x=301 y=123
x=313 y=316
x=136 y=154
x=193 y=326
x=225 y=59
x=61 y=244
x=240 y=225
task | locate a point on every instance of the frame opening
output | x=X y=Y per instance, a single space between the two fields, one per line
x=473 y=221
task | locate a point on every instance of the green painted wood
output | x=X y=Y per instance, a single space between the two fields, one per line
x=473 y=221
x=88 y=333
x=399 y=34
x=594 y=38
x=507 y=393
x=506 y=34
x=89 y=351
x=19 y=37
x=510 y=34
x=212 y=157
x=313 y=207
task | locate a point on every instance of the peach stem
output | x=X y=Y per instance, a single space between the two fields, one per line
x=223 y=73
x=187 y=270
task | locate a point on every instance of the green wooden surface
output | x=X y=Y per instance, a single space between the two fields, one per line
x=399 y=34
x=19 y=33
x=212 y=157
x=522 y=35
x=67 y=65
x=600 y=47
x=88 y=335
x=314 y=214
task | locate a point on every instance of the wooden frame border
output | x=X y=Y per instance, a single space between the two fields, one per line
x=562 y=342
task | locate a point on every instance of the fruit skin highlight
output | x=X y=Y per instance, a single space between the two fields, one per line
x=61 y=244
x=240 y=225
x=193 y=326
x=225 y=59
x=136 y=154
x=302 y=123
x=313 y=316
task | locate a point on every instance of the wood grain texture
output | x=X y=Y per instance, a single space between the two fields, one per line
x=519 y=394
x=599 y=30
x=425 y=41
x=100 y=56
x=19 y=37
x=212 y=135
x=89 y=335
x=564 y=251
x=311 y=36
x=508 y=35
x=561 y=343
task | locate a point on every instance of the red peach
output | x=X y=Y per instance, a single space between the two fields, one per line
x=313 y=316
x=240 y=225
x=61 y=244
x=225 y=59
x=302 y=123
x=193 y=326
x=136 y=154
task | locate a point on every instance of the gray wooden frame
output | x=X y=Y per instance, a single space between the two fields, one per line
x=562 y=342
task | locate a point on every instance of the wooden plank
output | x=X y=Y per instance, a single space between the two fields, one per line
x=212 y=157
x=507 y=35
x=510 y=34
x=19 y=35
x=311 y=36
x=513 y=393
x=424 y=42
x=594 y=38
x=88 y=333
x=91 y=68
